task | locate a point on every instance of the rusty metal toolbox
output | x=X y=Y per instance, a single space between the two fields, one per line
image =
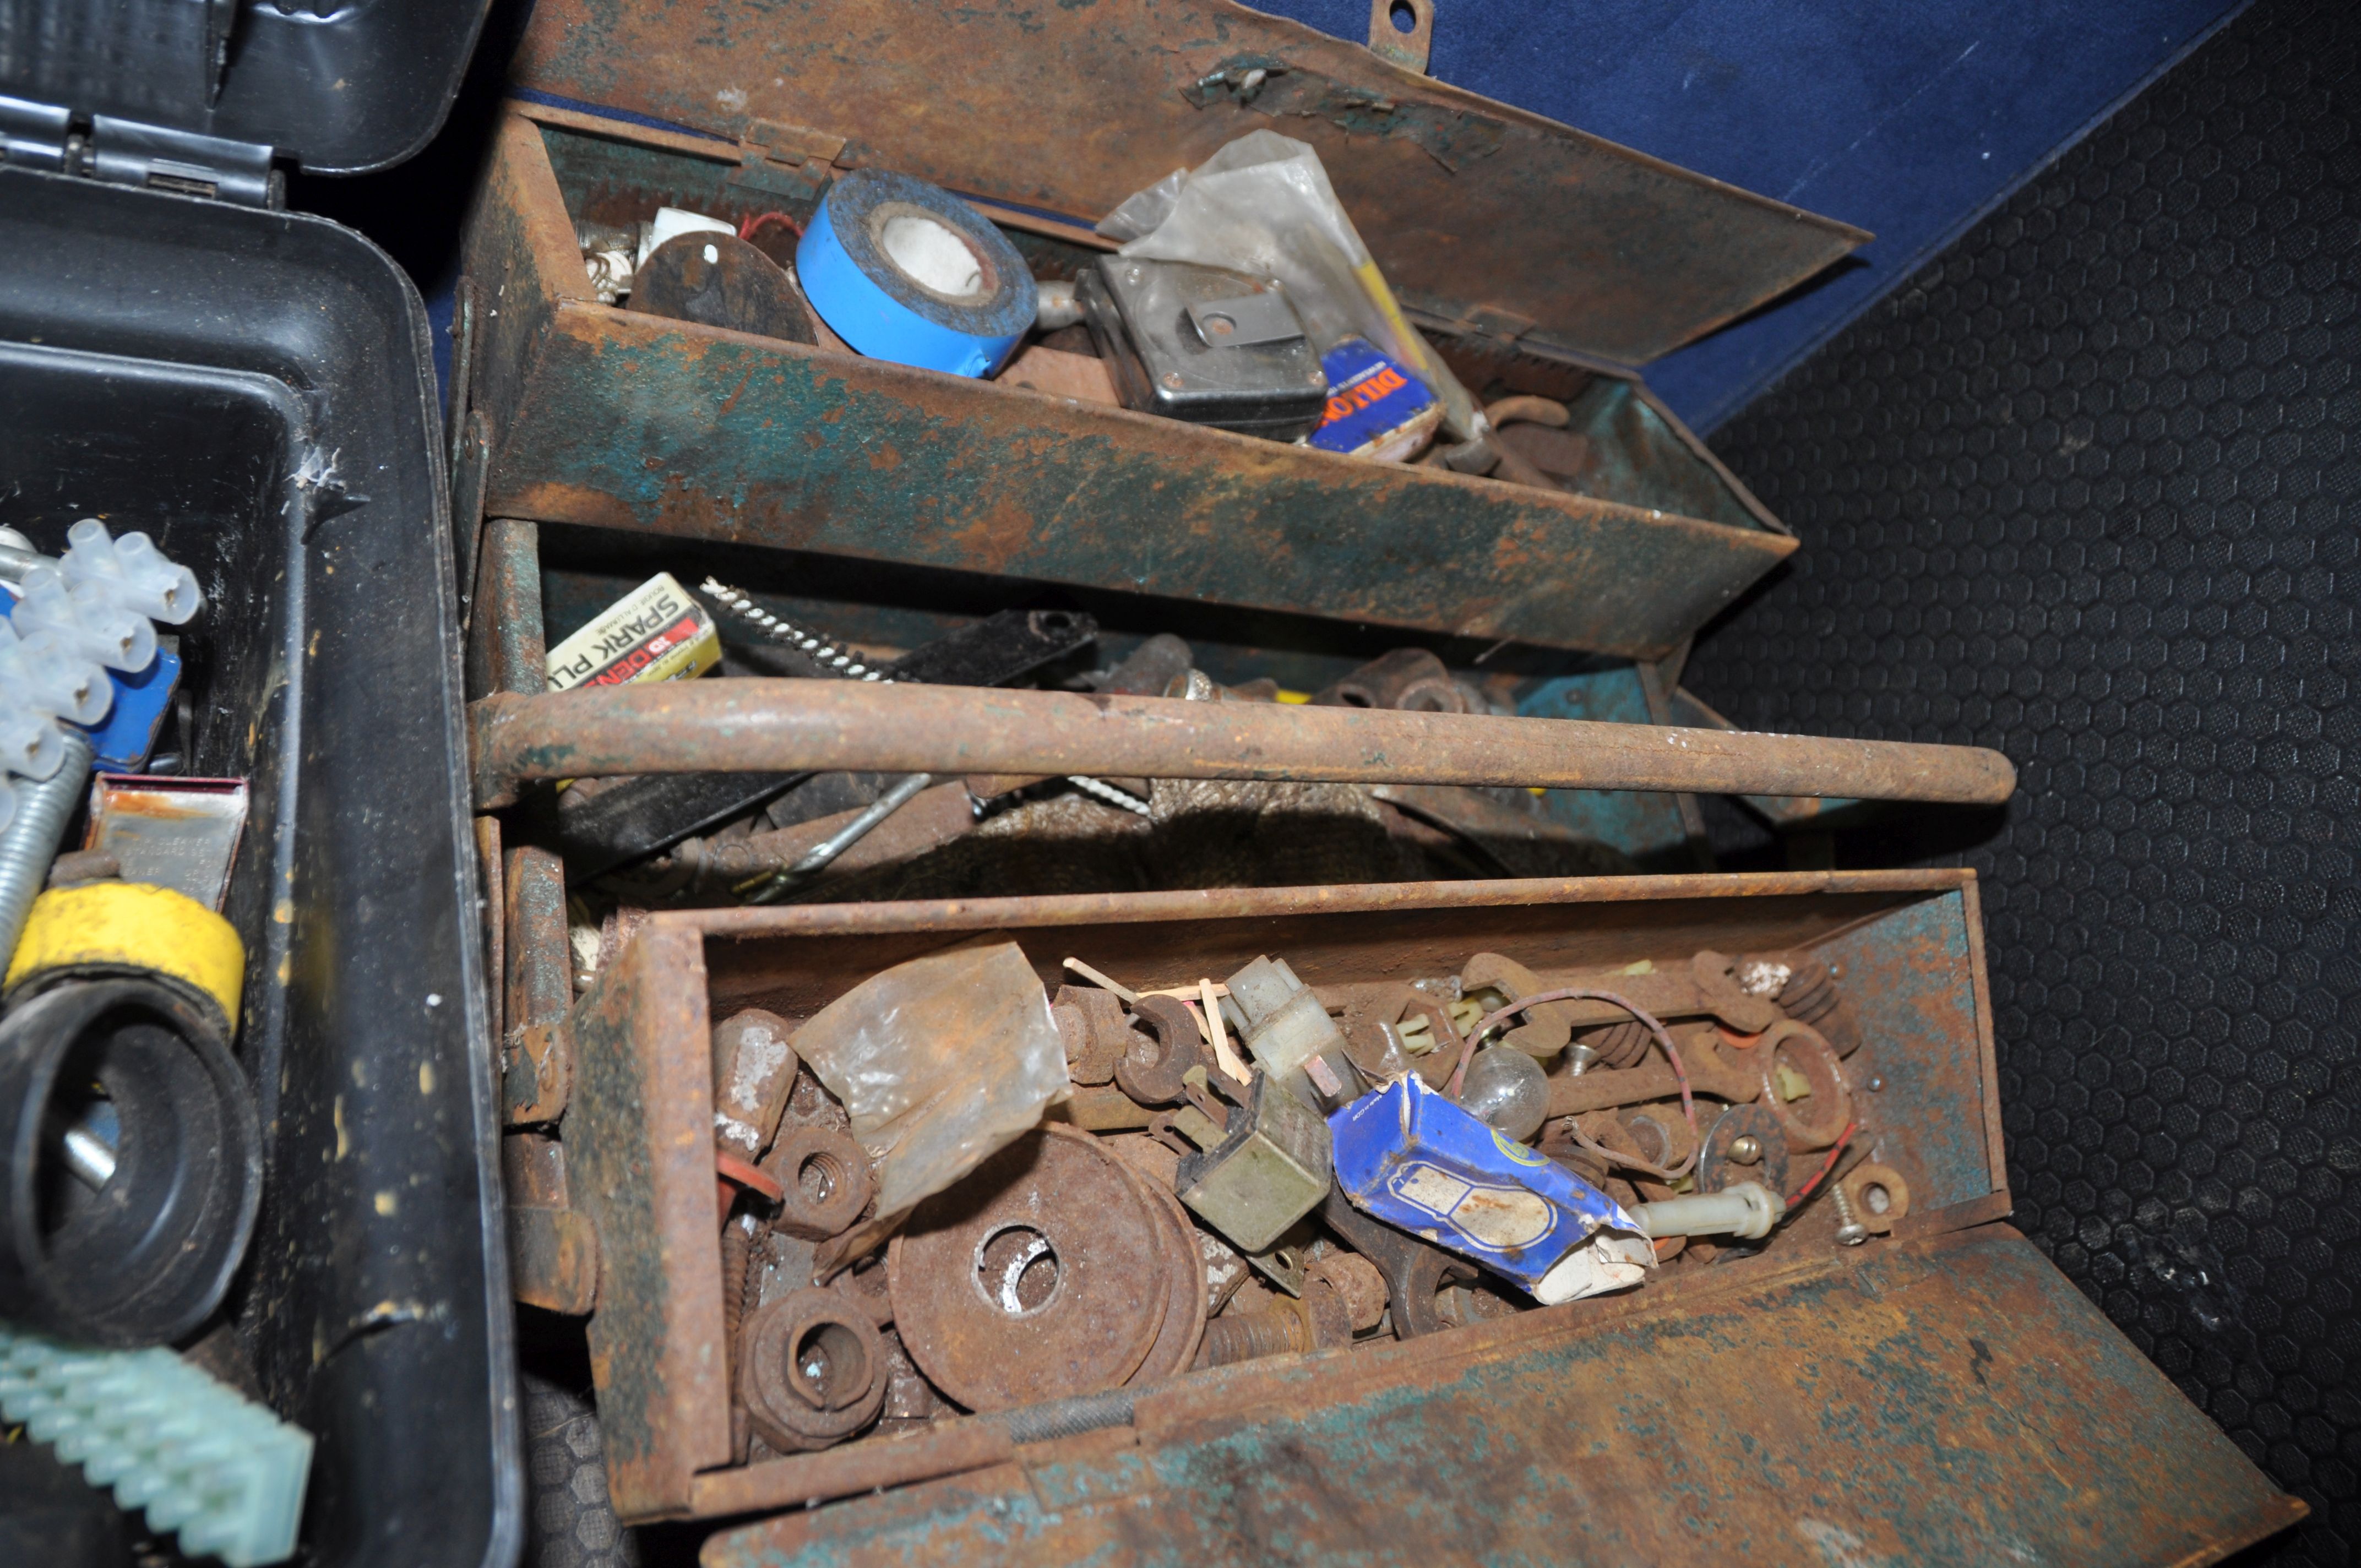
x=1538 y=260
x=1940 y=1393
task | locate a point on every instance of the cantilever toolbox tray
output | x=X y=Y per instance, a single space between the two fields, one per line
x=1538 y=260
x=255 y=388
x=1939 y=1394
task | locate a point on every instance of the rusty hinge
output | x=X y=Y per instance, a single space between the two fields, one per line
x=794 y=163
x=537 y=1063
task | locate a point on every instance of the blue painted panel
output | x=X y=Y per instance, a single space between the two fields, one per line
x=1908 y=976
x=1639 y=825
x=1908 y=117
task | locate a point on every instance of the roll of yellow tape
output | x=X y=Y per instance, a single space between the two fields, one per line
x=108 y=928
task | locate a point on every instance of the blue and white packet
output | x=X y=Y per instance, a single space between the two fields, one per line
x=1376 y=408
x=1411 y=1158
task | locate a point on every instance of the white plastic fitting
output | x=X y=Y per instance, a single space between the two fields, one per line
x=137 y=575
x=87 y=618
x=1746 y=1211
x=41 y=672
x=31 y=743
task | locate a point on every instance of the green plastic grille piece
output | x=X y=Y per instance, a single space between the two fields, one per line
x=201 y=1460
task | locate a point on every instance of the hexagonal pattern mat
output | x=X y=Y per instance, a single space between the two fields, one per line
x=2089 y=490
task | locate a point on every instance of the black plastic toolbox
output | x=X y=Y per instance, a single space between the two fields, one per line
x=254 y=388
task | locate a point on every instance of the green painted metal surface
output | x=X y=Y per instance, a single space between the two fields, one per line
x=1953 y=1402
x=627 y=420
x=1644 y=827
x=1910 y=981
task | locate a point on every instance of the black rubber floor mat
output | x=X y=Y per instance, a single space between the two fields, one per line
x=2089 y=490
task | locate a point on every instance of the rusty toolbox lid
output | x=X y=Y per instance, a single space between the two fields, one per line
x=1948 y=1400
x=1478 y=213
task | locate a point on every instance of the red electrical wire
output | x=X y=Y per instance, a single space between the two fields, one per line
x=753 y=225
x=1664 y=1038
x=1826 y=1164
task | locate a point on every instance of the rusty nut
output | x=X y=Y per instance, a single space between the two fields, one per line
x=824 y=1182
x=812 y=1370
x=1090 y=1023
x=1357 y=1284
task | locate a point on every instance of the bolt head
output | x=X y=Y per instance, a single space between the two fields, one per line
x=1173 y=380
x=1745 y=1149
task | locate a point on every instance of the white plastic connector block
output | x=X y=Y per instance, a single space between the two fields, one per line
x=87 y=618
x=49 y=678
x=31 y=743
x=202 y=1461
x=139 y=577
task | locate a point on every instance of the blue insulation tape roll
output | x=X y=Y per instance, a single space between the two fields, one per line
x=907 y=271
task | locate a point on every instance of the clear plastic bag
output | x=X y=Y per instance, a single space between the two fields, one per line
x=940 y=1061
x=1263 y=206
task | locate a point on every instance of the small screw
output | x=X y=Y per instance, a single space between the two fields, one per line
x=1876 y=1084
x=1173 y=380
x=1318 y=378
x=1745 y=1149
x=1850 y=1232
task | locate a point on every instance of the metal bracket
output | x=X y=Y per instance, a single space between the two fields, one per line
x=1246 y=319
x=1387 y=42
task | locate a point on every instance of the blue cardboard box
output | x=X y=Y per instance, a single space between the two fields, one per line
x=1412 y=1158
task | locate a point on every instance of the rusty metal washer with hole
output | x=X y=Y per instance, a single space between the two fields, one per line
x=1073 y=1299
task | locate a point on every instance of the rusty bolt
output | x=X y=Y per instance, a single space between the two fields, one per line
x=1315 y=1320
x=1745 y=1149
x=824 y=1182
x=1174 y=380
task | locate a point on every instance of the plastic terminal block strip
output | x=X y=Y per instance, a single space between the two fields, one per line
x=201 y=1460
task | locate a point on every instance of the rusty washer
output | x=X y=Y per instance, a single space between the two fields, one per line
x=1037 y=1278
x=1163 y=1045
x=1720 y=1164
x=1878 y=1194
x=824 y=1182
x=1184 y=1271
x=1816 y=1118
x=811 y=1371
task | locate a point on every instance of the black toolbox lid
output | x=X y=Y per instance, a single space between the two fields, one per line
x=340 y=88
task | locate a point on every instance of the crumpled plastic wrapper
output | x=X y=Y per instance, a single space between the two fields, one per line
x=1263 y=206
x=940 y=1061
